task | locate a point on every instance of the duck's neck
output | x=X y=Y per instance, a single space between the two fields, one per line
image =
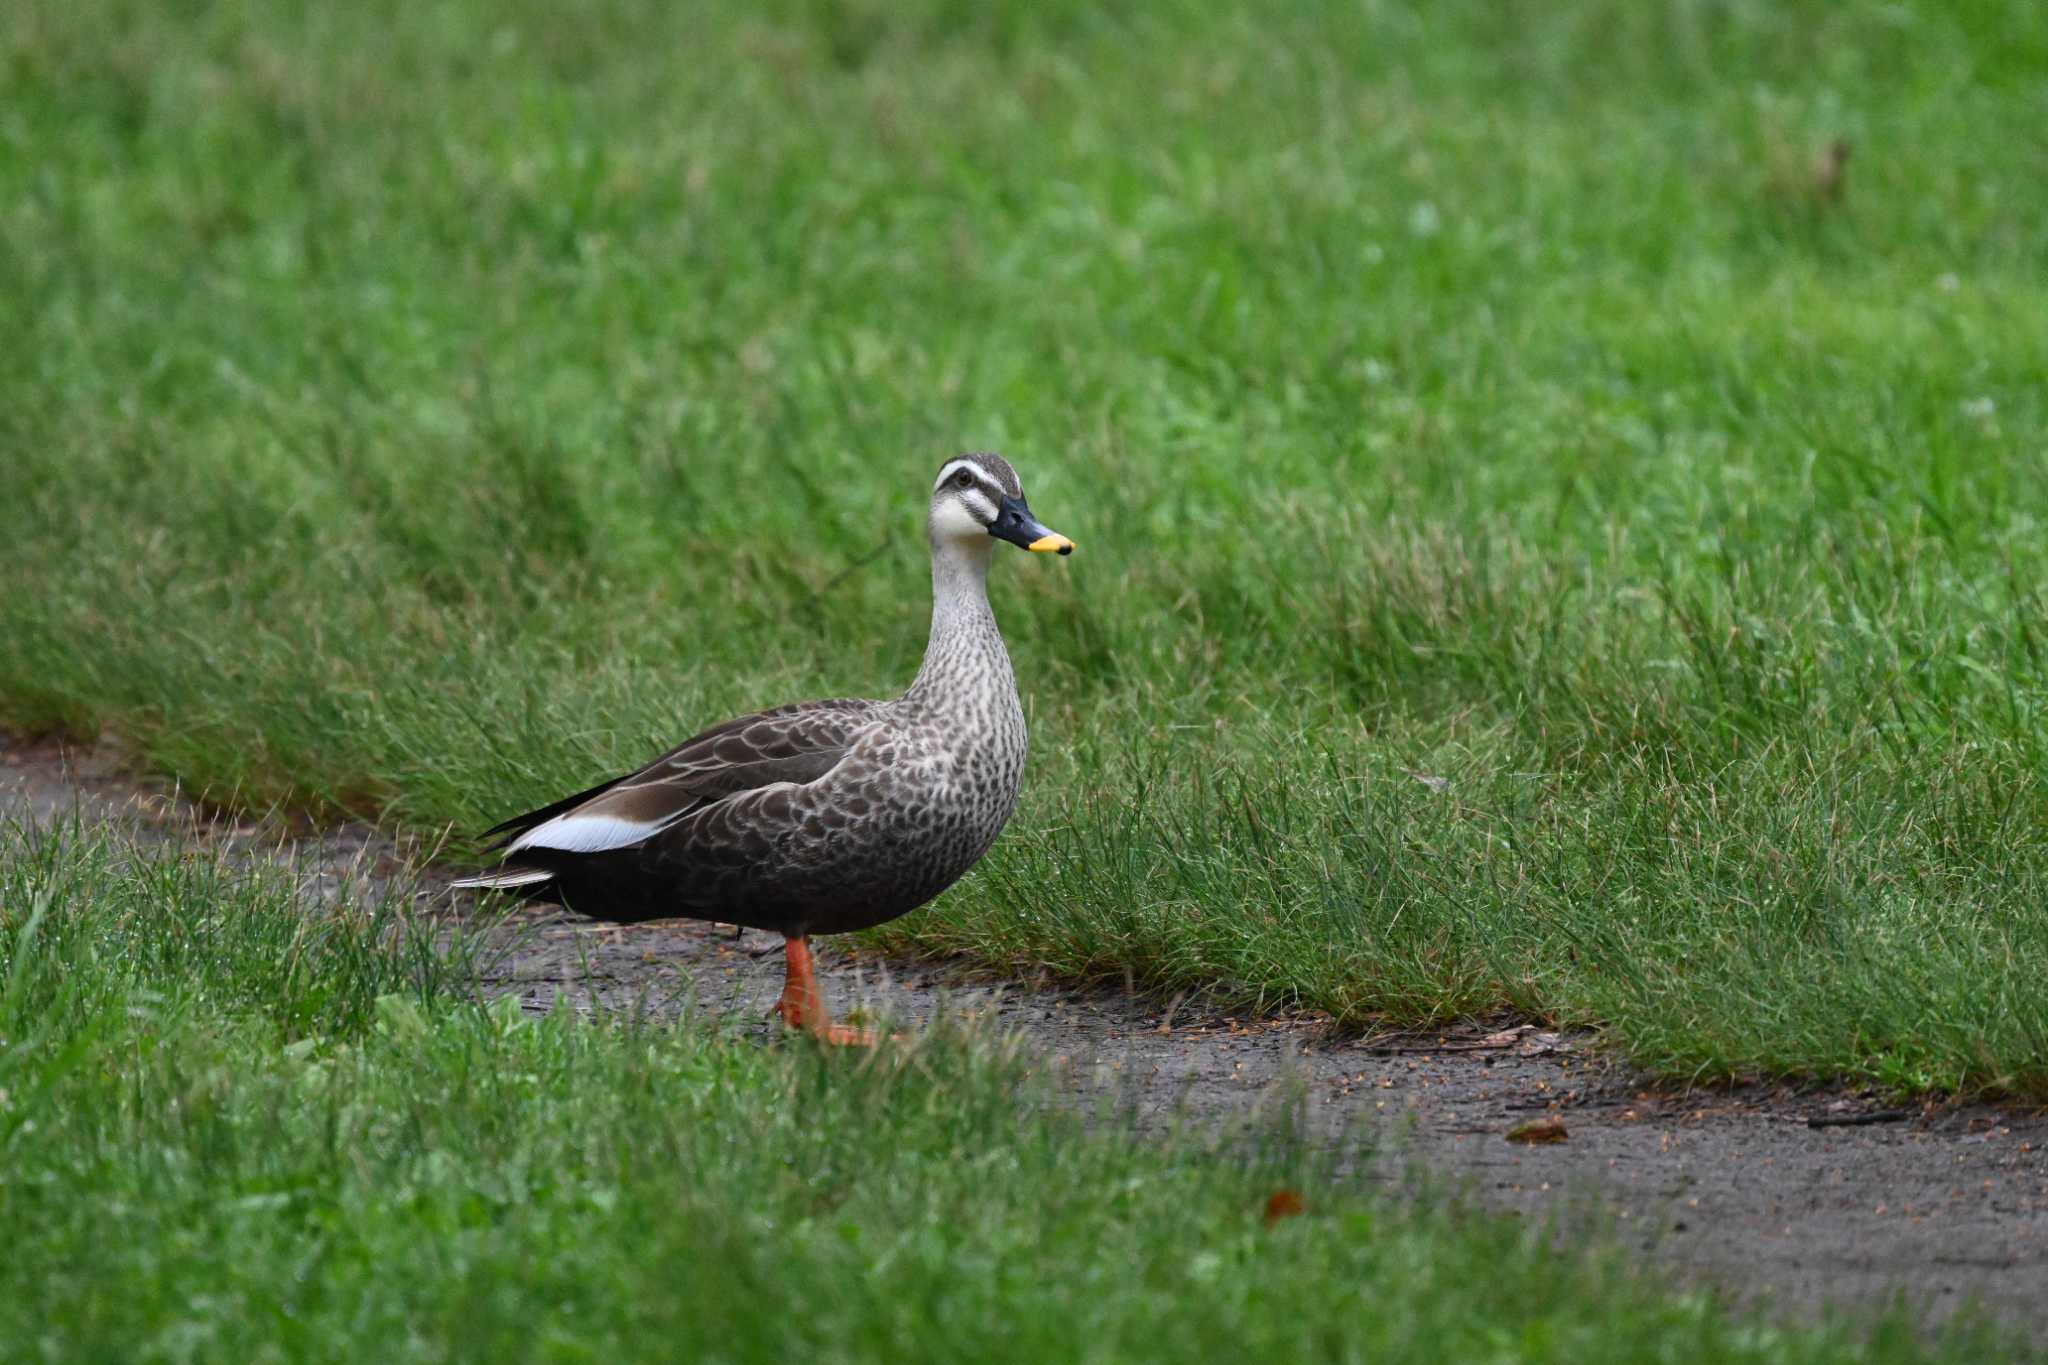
x=964 y=657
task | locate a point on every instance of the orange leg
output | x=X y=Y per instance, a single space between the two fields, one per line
x=802 y=1005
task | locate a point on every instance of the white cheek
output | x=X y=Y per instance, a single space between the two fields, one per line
x=951 y=521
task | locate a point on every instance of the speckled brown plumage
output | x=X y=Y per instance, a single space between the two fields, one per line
x=823 y=816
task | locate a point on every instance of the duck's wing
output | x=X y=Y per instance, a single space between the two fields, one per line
x=797 y=743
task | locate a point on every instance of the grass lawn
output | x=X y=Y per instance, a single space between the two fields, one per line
x=1542 y=545
x=232 y=1132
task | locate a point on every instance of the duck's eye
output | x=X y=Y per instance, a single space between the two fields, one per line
x=963 y=480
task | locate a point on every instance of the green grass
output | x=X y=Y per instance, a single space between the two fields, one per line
x=229 y=1130
x=422 y=411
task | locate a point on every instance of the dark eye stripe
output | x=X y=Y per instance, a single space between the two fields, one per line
x=982 y=482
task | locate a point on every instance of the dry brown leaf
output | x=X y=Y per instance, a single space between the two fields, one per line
x=1549 y=1128
x=1284 y=1203
x=1507 y=1037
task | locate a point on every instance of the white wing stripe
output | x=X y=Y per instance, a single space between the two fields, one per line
x=573 y=833
x=525 y=876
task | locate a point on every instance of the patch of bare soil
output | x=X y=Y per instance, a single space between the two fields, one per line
x=1802 y=1200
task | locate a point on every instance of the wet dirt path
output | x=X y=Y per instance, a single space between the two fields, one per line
x=1802 y=1201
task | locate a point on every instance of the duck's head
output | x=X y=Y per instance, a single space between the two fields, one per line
x=977 y=496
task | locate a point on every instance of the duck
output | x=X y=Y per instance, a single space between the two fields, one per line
x=815 y=817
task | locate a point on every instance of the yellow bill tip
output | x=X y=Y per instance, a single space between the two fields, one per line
x=1052 y=542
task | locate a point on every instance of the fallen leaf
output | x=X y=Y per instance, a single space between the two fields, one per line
x=1549 y=1128
x=1542 y=1045
x=1284 y=1203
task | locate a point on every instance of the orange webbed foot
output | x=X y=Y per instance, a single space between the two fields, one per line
x=841 y=1035
x=824 y=1030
